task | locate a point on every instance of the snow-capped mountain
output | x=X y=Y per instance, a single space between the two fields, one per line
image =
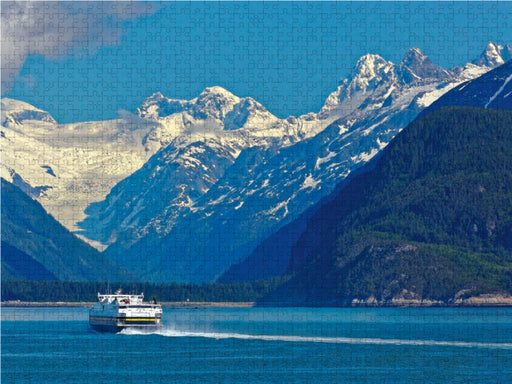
x=186 y=188
x=418 y=68
x=271 y=258
x=68 y=166
x=202 y=137
x=494 y=55
x=264 y=174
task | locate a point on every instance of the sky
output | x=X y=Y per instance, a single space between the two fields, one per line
x=85 y=61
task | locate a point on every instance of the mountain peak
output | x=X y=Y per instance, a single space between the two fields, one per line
x=216 y=90
x=247 y=113
x=157 y=106
x=215 y=102
x=414 y=56
x=156 y=96
x=494 y=55
x=417 y=67
x=369 y=65
x=369 y=71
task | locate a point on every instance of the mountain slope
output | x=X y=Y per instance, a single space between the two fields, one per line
x=210 y=132
x=271 y=258
x=477 y=92
x=36 y=247
x=198 y=183
x=433 y=220
x=492 y=90
x=65 y=167
x=17 y=265
x=265 y=183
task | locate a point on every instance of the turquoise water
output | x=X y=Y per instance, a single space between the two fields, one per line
x=292 y=345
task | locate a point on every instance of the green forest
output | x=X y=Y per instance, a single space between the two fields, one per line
x=432 y=220
x=38 y=291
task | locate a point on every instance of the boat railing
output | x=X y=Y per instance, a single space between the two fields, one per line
x=121 y=298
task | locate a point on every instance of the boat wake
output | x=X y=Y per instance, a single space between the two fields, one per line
x=317 y=339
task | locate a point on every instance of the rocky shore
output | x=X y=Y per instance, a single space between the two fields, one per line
x=484 y=300
x=463 y=298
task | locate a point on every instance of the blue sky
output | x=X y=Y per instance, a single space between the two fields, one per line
x=94 y=59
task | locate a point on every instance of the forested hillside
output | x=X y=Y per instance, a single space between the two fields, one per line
x=433 y=220
x=37 y=247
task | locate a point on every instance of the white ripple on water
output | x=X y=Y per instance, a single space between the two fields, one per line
x=318 y=339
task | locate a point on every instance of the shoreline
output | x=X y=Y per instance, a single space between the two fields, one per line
x=474 y=302
x=89 y=304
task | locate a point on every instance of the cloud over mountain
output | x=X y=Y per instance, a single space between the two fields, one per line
x=59 y=28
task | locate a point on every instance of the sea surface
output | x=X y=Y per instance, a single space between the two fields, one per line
x=263 y=345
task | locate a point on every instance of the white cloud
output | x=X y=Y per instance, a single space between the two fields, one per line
x=54 y=29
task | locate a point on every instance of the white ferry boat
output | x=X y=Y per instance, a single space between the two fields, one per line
x=114 y=312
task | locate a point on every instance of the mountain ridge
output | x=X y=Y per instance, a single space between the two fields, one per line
x=393 y=237
x=274 y=263
x=194 y=164
x=284 y=181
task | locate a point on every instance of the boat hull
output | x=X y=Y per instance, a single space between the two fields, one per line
x=117 y=324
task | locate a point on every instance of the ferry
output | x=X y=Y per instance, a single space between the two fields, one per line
x=114 y=312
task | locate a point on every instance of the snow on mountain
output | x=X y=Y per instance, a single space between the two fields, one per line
x=418 y=68
x=494 y=55
x=375 y=82
x=249 y=114
x=19 y=112
x=66 y=167
x=37 y=247
x=370 y=73
x=201 y=139
x=271 y=257
x=491 y=90
x=275 y=169
x=155 y=196
x=214 y=102
x=191 y=186
x=217 y=109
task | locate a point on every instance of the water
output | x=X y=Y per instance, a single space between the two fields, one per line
x=292 y=345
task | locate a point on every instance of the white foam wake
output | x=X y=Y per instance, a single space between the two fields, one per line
x=319 y=339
